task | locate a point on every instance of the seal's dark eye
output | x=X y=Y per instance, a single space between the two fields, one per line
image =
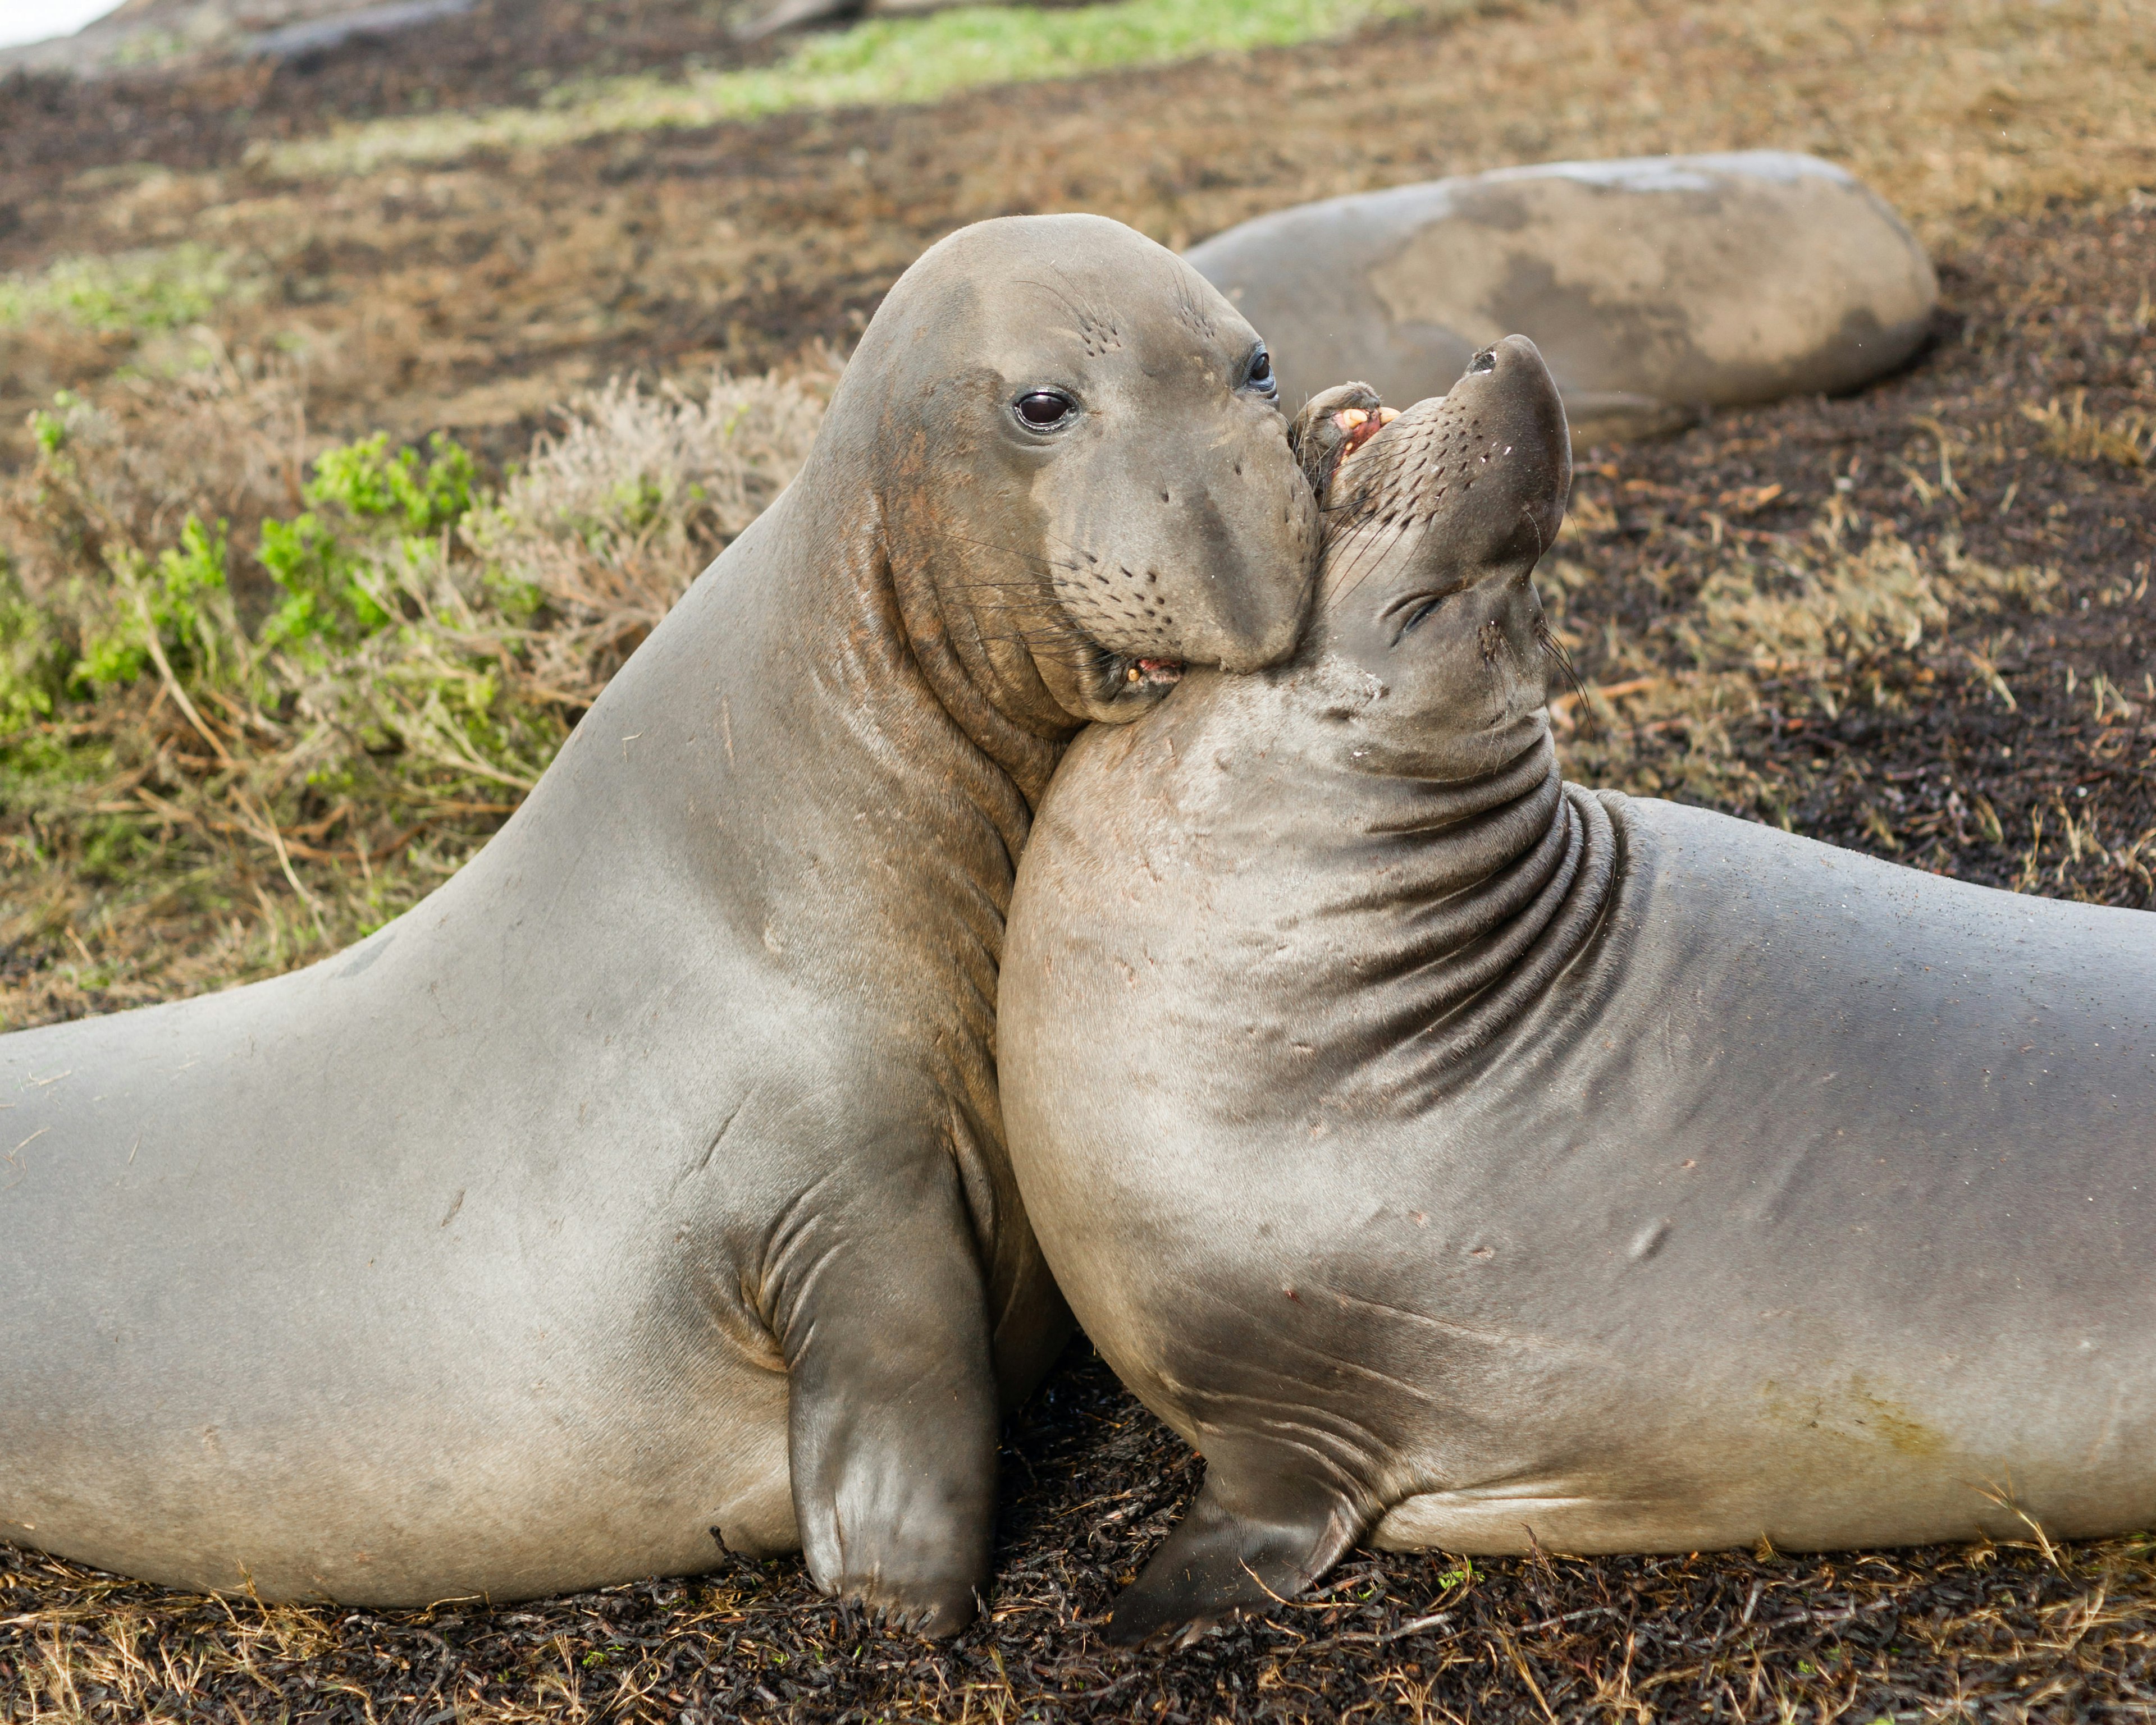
x=1261 y=377
x=1420 y=612
x=1045 y=409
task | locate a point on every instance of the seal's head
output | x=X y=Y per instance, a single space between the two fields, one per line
x=1082 y=467
x=1435 y=519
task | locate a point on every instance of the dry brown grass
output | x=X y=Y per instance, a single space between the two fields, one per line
x=2023 y=1632
x=1808 y=611
x=2073 y=433
x=613 y=517
x=226 y=816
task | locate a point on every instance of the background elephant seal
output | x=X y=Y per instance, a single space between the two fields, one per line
x=647 y=1180
x=1655 y=287
x=1460 y=1157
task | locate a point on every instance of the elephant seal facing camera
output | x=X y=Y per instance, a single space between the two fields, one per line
x=1458 y=1158
x=647 y=1180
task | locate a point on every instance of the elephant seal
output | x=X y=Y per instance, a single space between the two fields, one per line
x=648 y=1179
x=1460 y=1158
x=1655 y=287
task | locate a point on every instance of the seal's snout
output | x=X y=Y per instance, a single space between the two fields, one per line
x=1434 y=520
x=1473 y=470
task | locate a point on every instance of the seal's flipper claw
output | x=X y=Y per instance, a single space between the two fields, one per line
x=1219 y=1565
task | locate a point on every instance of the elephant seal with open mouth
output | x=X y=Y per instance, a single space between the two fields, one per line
x=646 y=1183
x=1460 y=1158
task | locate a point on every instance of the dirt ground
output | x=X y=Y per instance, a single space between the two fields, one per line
x=2001 y=726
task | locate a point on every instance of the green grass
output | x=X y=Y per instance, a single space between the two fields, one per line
x=881 y=62
x=133 y=292
x=226 y=746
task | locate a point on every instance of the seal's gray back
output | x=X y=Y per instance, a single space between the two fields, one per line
x=1653 y=285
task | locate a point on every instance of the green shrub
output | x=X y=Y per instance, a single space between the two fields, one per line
x=181 y=600
x=326 y=600
x=369 y=481
x=33 y=658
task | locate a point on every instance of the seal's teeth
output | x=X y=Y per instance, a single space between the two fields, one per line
x=1367 y=426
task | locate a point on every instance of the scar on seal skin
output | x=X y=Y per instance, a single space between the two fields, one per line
x=1460 y=1158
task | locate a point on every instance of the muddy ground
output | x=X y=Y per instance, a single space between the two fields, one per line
x=2014 y=743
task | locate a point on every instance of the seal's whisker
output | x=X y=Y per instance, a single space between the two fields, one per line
x=1008 y=551
x=1366 y=557
x=1077 y=560
x=1546 y=638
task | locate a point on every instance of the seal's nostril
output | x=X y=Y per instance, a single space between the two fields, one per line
x=1485 y=360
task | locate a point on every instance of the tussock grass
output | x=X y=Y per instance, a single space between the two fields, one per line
x=879 y=62
x=264 y=704
x=2127 y=438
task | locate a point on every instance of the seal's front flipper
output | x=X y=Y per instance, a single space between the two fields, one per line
x=1222 y=1563
x=892 y=1405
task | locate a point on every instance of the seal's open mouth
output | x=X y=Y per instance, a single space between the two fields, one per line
x=1359 y=427
x=1158 y=672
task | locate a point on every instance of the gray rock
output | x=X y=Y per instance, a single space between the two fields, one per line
x=1655 y=287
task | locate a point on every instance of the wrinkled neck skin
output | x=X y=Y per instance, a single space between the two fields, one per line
x=977 y=617
x=1440 y=888
x=816 y=763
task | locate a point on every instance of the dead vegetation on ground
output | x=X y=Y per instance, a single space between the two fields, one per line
x=253 y=707
x=2024 y=1632
x=472 y=296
